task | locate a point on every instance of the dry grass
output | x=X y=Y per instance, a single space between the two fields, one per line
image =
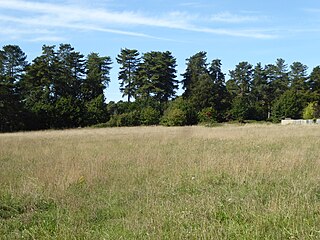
x=230 y=182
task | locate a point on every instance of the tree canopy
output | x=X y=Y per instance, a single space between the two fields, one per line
x=62 y=88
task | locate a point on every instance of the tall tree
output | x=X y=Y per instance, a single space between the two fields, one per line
x=197 y=82
x=298 y=76
x=97 y=79
x=71 y=71
x=12 y=68
x=260 y=91
x=278 y=78
x=241 y=80
x=129 y=61
x=220 y=92
x=39 y=88
x=157 y=77
x=314 y=83
x=97 y=76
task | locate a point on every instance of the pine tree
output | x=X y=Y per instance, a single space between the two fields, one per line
x=129 y=61
x=12 y=68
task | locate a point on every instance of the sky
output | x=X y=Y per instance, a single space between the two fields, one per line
x=230 y=30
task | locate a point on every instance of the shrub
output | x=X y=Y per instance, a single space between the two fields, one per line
x=311 y=111
x=207 y=115
x=125 y=119
x=174 y=117
x=149 y=116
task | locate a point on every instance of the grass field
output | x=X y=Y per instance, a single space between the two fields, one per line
x=229 y=182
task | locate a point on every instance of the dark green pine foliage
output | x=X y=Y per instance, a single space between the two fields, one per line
x=239 y=87
x=260 y=91
x=197 y=82
x=71 y=72
x=129 y=61
x=278 y=78
x=298 y=77
x=12 y=68
x=314 y=84
x=289 y=105
x=93 y=86
x=221 y=98
x=156 y=80
x=39 y=90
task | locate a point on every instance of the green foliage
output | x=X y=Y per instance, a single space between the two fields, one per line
x=179 y=112
x=129 y=61
x=207 y=115
x=289 y=105
x=12 y=67
x=174 y=117
x=128 y=119
x=149 y=116
x=311 y=111
x=95 y=111
x=241 y=109
x=67 y=111
x=156 y=77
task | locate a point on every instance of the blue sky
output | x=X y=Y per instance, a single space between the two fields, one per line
x=231 y=30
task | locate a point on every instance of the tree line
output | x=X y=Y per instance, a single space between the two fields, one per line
x=62 y=88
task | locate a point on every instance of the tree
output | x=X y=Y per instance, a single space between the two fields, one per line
x=12 y=68
x=314 y=84
x=157 y=77
x=260 y=91
x=240 y=81
x=197 y=82
x=71 y=72
x=277 y=75
x=289 y=105
x=298 y=76
x=39 y=89
x=220 y=93
x=129 y=61
x=97 y=79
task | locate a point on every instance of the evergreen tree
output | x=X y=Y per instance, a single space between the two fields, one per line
x=129 y=61
x=314 y=84
x=298 y=76
x=71 y=72
x=260 y=91
x=97 y=79
x=220 y=92
x=39 y=89
x=197 y=82
x=278 y=78
x=240 y=87
x=157 y=77
x=12 y=68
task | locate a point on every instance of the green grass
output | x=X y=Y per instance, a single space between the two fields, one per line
x=228 y=182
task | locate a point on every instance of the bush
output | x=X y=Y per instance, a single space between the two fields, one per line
x=289 y=105
x=311 y=111
x=149 y=116
x=174 y=117
x=207 y=115
x=124 y=120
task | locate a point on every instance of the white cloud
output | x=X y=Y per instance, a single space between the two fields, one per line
x=47 y=39
x=227 y=17
x=56 y=16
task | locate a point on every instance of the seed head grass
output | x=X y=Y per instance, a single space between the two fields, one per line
x=227 y=182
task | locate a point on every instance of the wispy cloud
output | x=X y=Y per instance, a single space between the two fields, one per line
x=227 y=17
x=58 y=16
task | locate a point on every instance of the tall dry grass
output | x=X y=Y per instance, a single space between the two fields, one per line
x=230 y=182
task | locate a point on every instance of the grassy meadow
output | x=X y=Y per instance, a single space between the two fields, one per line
x=228 y=182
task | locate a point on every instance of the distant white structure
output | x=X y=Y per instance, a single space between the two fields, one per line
x=289 y=121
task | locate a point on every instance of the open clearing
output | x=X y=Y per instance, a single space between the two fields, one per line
x=230 y=182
